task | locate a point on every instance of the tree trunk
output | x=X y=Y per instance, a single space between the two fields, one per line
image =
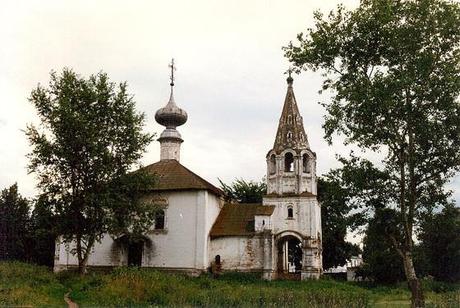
x=83 y=255
x=415 y=287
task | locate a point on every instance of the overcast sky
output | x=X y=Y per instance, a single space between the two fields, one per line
x=229 y=74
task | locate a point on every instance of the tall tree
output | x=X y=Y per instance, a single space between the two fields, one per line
x=14 y=224
x=394 y=70
x=89 y=137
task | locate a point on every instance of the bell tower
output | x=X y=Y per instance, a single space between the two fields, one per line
x=295 y=233
x=291 y=164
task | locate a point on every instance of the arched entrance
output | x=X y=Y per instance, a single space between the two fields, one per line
x=289 y=264
x=134 y=248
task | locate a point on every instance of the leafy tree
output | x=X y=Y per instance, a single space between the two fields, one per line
x=243 y=191
x=42 y=233
x=335 y=220
x=440 y=243
x=393 y=68
x=382 y=263
x=14 y=223
x=89 y=137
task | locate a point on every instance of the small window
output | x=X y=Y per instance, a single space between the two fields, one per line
x=289 y=135
x=160 y=220
x=290 y=212
x=289 y=120
x=272 y=166
x=288 y=162
x=305 y=163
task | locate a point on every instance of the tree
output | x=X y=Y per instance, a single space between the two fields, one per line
x=393 y=68
x=14 y=223
x=335 y=210
x=243 y=191
x=382 y=263
x=89 y=138
x=440 y=243
x=42 y=233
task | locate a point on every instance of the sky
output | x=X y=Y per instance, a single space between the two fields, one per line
x=230 y=74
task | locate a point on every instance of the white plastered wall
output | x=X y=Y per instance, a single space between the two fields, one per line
x=182 y=245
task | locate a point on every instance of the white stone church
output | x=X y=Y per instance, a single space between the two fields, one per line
x=196 y=229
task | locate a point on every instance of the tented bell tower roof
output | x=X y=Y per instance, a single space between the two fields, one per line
x=291 y=133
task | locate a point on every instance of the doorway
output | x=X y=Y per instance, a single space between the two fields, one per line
x=135 y=250
x=289 y=265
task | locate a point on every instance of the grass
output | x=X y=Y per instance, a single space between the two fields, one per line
x=23 y=284
x=27 y=285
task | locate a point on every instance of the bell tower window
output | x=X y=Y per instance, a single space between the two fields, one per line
x=288 y=162
x=290 y=212
x=289 y=135
x=305 y=163
x=272 y=164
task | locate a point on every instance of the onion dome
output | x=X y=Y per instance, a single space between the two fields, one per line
x=170 y=115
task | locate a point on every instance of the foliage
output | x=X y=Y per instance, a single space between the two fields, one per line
x=89 y=137
x=14 y=224
x=28 y=285
x=335 y=220
x=440 y=243
x=382 y=264
x=24 y=284
x=243 y=191
x=394 y=67
x=42 y=233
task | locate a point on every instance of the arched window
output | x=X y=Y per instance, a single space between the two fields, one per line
x=289 y=135
x=305 y=163
x=288 y=162
x=289 y=120
x=272 y=164
x=160 y=220
x=290 y=212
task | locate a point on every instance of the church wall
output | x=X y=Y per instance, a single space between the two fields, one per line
x=306 y=215
x=213 y=207
x=239 y=253
x=183 y=244
x=175 y=247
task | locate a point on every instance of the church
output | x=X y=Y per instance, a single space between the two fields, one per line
x=196 y=230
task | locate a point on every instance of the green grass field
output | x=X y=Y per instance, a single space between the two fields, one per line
x=28 y=285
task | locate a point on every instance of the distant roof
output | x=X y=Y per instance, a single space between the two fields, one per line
x=173 y=176
x=238 y=219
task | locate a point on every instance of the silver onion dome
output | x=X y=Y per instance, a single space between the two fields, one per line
x=170 y=115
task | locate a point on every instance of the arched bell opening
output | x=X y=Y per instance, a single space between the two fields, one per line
x=289 y=263
x=272 y=164
x=288 y=162
x=305 y=164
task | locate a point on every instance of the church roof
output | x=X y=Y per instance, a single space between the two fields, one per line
x=174 y=176
x=238 y=219
x=291 y=133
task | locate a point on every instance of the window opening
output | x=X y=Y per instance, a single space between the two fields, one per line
x=160 y=220
x=272 y=164
x=290 y=212
x=288 y=162
x=305 y=163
